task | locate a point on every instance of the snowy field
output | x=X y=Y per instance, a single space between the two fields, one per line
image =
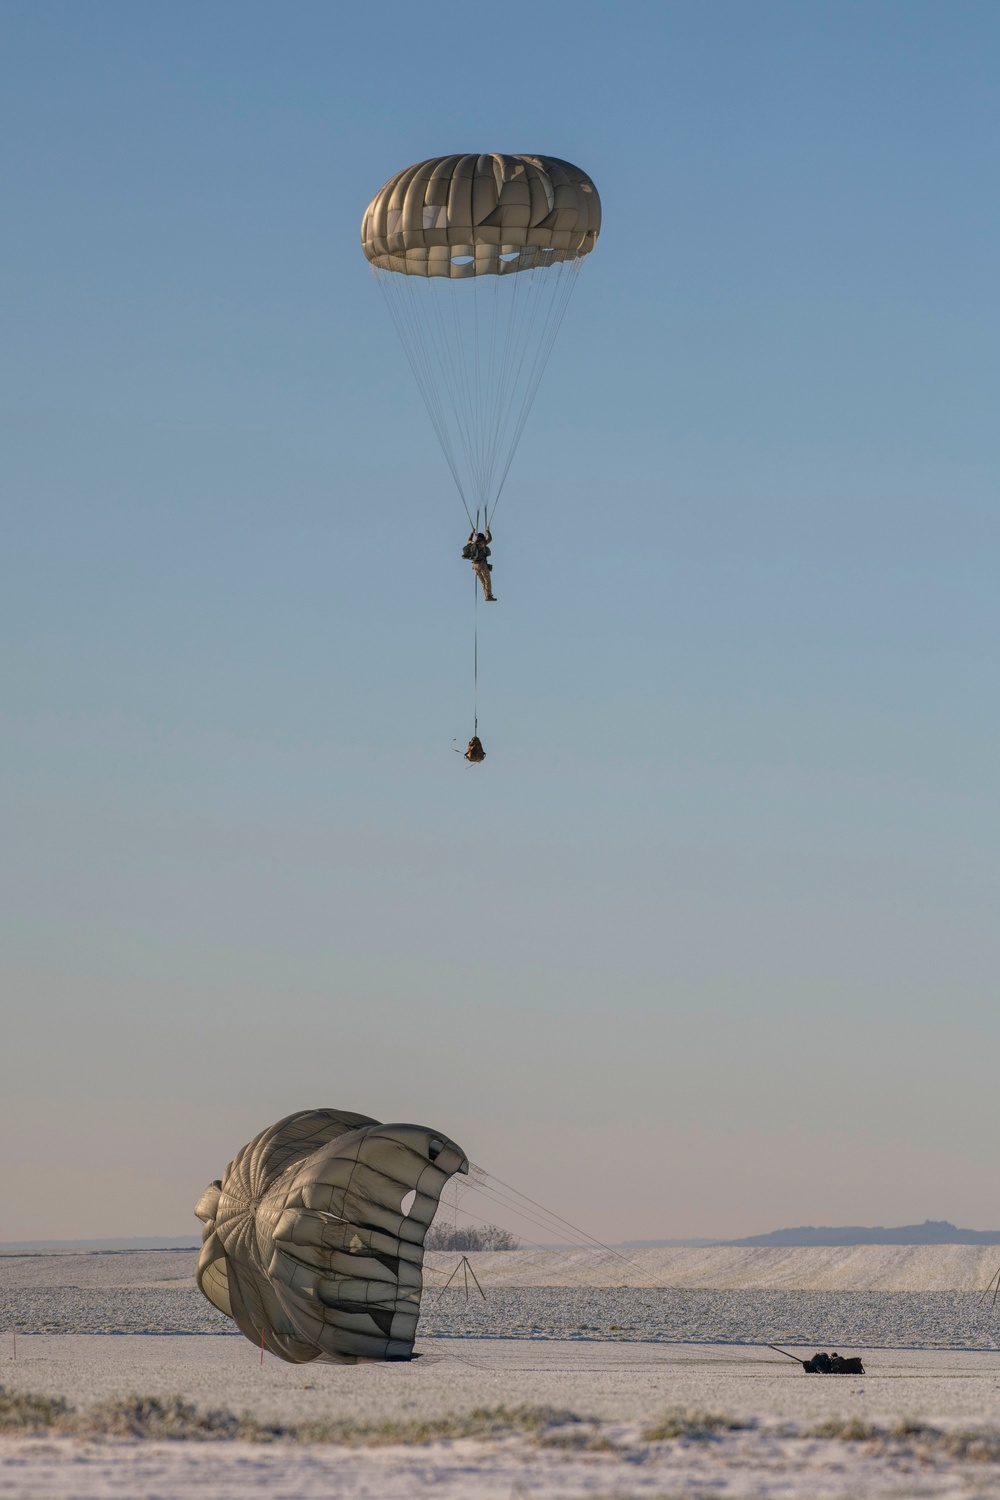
x=551 y=1419
x=850 y=1268
x=551 y=1390
x=154 y=1292
x=814 y=1268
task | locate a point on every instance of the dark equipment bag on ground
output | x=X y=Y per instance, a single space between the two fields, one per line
x=832 y=1364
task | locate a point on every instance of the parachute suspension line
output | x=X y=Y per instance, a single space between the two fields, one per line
x=475 y=649
x=515 y=338
x=440 y=376
x=555 y=313
x=406 y=320
x=455 y=359
x=417 y=356
x=478 y=346
x=449 y=349
x=463 y=382
x=504 y=1196
x=431 y=338
x=529 y=323
x=491 y=1187
x=530 y=300
x=515 y=343
x=568 y=273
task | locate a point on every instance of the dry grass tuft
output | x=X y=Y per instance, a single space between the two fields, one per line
x=149 y=1417
x=916 y=1439
x=488 y=1423
x=980 y=1445
x=693 y=1425
x=25 y=1413
x=847 y=1429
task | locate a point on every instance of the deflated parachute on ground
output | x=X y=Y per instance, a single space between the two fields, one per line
x=313 y=1239
x=477 y=256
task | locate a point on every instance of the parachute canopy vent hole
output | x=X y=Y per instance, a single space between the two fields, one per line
x=406 y=1207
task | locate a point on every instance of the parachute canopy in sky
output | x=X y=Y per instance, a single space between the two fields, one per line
x=465 y=216
x=313 y=1239
x=477 y=257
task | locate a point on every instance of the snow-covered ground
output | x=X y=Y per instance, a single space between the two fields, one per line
x=620 y=1391
x=612 y=1381
x=739 y=1466
x=600 y=1358
x=820 y=1268
x=869 y=1268
x=562 y=1296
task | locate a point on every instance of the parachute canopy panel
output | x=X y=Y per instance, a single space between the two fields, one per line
x=314 y=1235
x=466 y=216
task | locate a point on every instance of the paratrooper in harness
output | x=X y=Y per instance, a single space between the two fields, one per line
x=477 y=550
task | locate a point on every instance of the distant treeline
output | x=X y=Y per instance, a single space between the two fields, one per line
x=486 y=1237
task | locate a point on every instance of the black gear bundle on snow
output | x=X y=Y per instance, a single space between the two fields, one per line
x=824 y=1364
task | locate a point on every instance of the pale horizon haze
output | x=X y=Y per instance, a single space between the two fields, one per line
x=709 y=944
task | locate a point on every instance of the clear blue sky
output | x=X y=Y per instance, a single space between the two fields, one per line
x=710 y=942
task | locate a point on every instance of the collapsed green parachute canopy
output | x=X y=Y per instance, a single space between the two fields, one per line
x=477 y=257
x=313 y=1239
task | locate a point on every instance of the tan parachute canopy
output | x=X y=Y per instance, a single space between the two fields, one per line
x=463 y=216
x=477 y=257
x=313 y=1239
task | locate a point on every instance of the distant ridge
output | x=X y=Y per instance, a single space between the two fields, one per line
x=654 y=1245
x=931 y=1232
x=40 y=1247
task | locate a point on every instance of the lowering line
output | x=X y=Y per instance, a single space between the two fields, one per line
x=475 y=753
